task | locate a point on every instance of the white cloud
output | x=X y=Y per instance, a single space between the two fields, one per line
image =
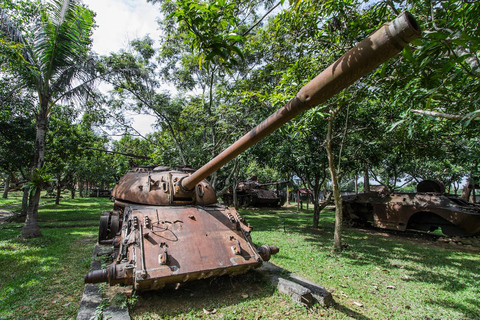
x=118 y=22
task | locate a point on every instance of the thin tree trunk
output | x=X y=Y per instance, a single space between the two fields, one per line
x=31 y=228
x=356 y=183
x=366 y=181
x=298 y=198
x=474 y=200
x=337 y=237
x=288 y=191
x=7 y=186
x=26 y=191
x=80 y=189
x=466 y=190
x=59 y=192
x=234 y=193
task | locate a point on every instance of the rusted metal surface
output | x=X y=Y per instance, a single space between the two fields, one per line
x=379 y=47
x=166 y=227
x=425 y=211
x=252 y=193
x=161 y=245
x=159 y=186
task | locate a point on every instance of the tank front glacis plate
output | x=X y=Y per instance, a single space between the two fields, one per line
x=165 y=245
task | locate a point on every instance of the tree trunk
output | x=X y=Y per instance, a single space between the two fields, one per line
x=337 y=237
x=31 y=228
x=26 y=191
x=72 y=193
x=316 y=204
x=356 y=183
x=366 y=181
x=59 y=193
x=288 y=191
x=235 y=194
x=466 y=190
x=298 y=198
x=80 y=189
x=7 y=185
x=474 y=200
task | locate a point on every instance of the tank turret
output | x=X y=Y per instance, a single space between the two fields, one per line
x=167 y=227
x=250 y=193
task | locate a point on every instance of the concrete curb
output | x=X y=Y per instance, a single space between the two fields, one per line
x=90 y=305
x=302 y=291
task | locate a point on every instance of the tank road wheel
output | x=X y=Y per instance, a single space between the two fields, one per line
x=103 y=230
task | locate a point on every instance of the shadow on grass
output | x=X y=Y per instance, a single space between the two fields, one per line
x=349 y=312
x=43 y=277
x=207 y=294
x=446 y=270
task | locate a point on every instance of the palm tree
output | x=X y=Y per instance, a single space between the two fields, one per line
x=52 y=59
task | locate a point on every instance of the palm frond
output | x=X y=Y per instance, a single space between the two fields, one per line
x=75 y=81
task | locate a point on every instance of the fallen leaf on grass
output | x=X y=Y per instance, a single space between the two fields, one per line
x=357 y=304
x=343 y=286
x=245 y=296
x=391 y=287
x=209 y=311
x=343 y=294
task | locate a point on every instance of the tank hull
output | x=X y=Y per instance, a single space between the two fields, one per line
x=418 y=211
x=162 y=245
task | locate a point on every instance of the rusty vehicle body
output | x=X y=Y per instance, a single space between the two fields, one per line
x=250 y=193
x=167 y=227
x=426 y=210
x=100 y=193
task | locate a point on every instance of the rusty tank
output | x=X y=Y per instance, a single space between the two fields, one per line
x=429 y=209
x=166 y=226
x=250 y=193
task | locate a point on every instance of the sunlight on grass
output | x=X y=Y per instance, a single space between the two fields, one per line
x=44 y=276
x=392 y=278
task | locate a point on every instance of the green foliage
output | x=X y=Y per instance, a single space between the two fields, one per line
x=210 y=30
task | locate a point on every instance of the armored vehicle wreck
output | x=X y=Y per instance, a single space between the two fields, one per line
x=167 y=227
x=426 y=210
x=250 y=193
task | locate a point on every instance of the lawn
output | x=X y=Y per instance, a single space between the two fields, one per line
x=43 y=278
x=377 y=276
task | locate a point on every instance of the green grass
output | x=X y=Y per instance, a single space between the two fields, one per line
x=429 y=282
x=14 y=201
x=391 y=277
x=43 y=277
x=14 y=198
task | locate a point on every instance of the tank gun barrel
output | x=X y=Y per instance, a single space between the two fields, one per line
x=377 y=48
